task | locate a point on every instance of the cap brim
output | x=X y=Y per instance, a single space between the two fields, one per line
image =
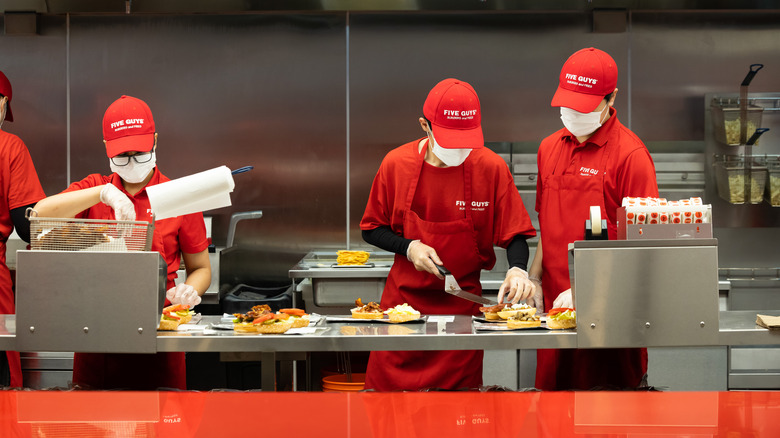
x=582 y=102
x=459 y=138
x=131 y=143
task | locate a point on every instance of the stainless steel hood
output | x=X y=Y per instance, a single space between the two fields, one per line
x=242 y=6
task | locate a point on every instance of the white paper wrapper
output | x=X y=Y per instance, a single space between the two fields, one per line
x=191 y=194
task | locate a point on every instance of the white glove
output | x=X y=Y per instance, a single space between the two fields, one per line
x=124 y=210
x=563 y=299
x=423 y=257
x=516 y=286
x=183 y=294
x=537 y=299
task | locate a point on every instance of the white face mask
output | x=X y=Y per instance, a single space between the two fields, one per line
x=450 y=157
x=581 y=124
x=134 y=172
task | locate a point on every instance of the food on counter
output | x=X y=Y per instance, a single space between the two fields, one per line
x=491 y=313
x=265 y=323
x=183 y=312
x=169 y=321
x=518 y=309
x=504 y=311
x=351 y=257
x=523 y=320
x=562 y=318
x=299 y=317
x=402 y=313
x=371 y=310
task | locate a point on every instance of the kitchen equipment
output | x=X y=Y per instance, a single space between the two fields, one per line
x=451 y=287
x=59 y=234
x=735 y=179
x=108 y=302
x=241 y=170
x=638 y=293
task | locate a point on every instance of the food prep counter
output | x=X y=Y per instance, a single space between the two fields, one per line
x=437 y=333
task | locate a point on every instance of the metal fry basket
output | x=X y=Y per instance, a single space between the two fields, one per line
x=58 y=234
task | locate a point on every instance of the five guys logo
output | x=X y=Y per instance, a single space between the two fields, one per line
x=587 y=171
x=475 y=205
x=127 y=123
x=455 y=114
x=581 y=81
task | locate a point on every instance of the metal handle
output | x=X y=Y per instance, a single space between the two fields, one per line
x=234 y=218
x=754 y=138
x=751 y=74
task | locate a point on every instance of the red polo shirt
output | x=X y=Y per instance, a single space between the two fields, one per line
x=172 y=236
x=629 y=167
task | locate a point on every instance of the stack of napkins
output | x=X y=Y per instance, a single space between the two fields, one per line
x=770 y=322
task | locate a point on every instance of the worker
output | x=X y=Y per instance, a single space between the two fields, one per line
x=593 y=161
x=130 y=140
x=443 y=200
x=20 y=189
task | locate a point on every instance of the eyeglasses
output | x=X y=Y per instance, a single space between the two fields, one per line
x=124 y=160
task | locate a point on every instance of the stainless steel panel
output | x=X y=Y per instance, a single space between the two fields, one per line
x=37 y=379
x=651 y=293
x=67 y=301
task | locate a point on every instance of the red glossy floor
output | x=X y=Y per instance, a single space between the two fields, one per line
x=407 y=415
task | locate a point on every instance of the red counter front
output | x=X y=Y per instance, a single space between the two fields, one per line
x=386 y=415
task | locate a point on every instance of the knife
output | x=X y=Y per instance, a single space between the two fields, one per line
x=451 y=287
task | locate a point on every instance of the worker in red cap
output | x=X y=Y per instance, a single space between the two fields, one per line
x=592 y=161
x=21 y=189
x=444 y=199
x=130 y=139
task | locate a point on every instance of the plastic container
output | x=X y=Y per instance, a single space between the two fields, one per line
x=339 y=383
x=773 y=188
x=730 y=177
x=726 y=120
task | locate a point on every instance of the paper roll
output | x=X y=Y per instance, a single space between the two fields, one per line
x=191 y=194
x=595 y=220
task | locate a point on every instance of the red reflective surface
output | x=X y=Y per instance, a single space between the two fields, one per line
x=385 y=415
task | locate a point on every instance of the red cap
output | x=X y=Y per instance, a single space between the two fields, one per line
x=586 y=77
x=452 y=107
x=128 y=126
x=5 y=90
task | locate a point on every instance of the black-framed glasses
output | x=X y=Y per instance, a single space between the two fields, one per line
x=124 y=160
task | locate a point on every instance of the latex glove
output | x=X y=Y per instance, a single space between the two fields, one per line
x=563 y=299
x=124 y=210
x=537 y=299
x=424 y=258
x=183 y=294
x=516 y=286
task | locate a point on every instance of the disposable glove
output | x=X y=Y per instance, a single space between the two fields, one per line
x=124 y=210
x=537 y=299
x=516 y=286
x=563 y=299
x=423 y=257
x=183 y=294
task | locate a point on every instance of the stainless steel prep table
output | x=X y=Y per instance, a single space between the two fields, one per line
x=736 y=328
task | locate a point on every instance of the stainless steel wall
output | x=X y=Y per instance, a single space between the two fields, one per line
x=315 y=100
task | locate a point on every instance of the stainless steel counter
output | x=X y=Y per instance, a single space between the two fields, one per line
x=736 y=328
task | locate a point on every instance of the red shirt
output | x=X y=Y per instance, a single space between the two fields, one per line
x=497 y=208
x=629 y=168
x=172 y=236
x=20 y=186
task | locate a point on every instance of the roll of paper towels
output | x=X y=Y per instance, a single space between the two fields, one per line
x=191 y=194
x=595 y=220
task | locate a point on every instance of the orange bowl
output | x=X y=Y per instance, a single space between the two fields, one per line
x=338 y=382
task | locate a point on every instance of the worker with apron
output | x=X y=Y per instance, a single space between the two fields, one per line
x=444 y=200
x=593 y=161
